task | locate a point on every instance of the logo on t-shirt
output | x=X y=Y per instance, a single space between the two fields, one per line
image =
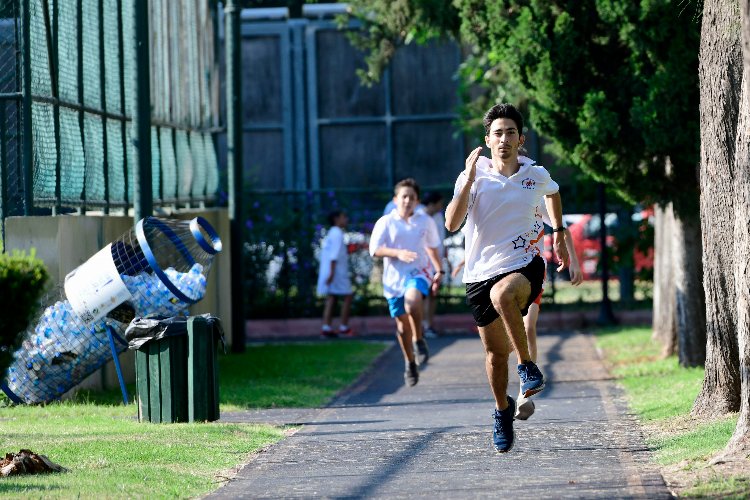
x=528 y=183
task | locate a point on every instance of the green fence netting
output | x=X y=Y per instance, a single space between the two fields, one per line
x=81 y=55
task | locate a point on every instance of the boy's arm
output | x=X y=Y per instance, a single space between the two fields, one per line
x=396 y=253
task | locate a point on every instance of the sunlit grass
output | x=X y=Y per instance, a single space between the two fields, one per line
x=109 y=454
x=661 y=393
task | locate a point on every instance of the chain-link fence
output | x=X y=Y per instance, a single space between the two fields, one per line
x=67 y=71
x=11 y=117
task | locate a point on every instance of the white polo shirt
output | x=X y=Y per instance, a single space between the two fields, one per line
x=502 y=232
x=415 y=234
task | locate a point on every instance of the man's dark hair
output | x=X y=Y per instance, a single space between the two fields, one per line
x=432 y=197
x=333 y=215
x=504 y=110
x=408 y=182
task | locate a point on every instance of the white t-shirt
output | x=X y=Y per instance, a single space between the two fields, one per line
x=502 y=232
x=415 y=234
x=333 y=249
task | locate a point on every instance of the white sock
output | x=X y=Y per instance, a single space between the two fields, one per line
x=326 y=328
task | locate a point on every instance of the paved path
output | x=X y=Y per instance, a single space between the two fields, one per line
x=382 y=439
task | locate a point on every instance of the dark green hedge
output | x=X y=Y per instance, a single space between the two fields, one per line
x=22 y=281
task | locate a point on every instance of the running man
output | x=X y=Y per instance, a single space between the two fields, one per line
x=503 y=270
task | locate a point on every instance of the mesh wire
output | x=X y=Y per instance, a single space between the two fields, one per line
x=130 y=158
x=94 y=147
x=11 y=179
x=168 y=164
x=128 y=52
x=160 y=83
x=116 y=161
x=185 y=165
x=198 y=154
x=69 y=341
x=67 y=49
x=212 y=167
x=155 y=162
x=113 y=92
x=92 y=63
x=72 y=163
x=92 y=150
x=41 y=82
x=45 y=151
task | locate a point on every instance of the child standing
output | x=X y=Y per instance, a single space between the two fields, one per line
x=333 y=276
x=408 y=242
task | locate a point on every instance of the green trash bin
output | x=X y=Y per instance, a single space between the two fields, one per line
x=176 y=368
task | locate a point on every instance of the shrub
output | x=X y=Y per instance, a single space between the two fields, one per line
x=22 y=281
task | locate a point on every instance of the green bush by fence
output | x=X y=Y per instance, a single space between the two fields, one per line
x=22 y=281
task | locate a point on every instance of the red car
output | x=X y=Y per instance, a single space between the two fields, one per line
x=584 y=229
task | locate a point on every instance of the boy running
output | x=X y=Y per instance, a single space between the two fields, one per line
x=408 y=242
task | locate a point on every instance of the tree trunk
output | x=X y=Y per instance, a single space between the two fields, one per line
x=687 y=271
x=740 y=443
x=720 y=72
x=664 y=315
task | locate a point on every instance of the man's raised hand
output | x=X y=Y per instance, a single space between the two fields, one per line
x=471 y=164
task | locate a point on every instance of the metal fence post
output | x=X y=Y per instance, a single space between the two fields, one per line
x=143 y=203
x=28 y=151
x=233 y=57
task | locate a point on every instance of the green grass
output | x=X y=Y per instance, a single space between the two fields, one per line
x=296 y=375
x=662 y=394
x=111 y=455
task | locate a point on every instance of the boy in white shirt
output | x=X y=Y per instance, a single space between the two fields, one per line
x=333 y=275
x=503 y=270
x=407 y=241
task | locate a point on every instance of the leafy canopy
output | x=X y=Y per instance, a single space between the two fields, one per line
x=612 y=84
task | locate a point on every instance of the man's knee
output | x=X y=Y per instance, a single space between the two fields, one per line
x=510 y=293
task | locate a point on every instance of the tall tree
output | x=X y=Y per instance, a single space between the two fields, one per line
x=720 y=73
x=613 y=85
x=739 y=445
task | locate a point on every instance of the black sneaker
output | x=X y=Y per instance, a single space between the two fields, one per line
x=532 y=380
x=502 y=434
x=423 y=353
x=411 y=375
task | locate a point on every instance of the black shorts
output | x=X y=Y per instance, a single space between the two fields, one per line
x=478 y=294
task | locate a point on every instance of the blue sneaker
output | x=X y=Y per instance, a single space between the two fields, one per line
x=502 y=434
x=532 y=380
